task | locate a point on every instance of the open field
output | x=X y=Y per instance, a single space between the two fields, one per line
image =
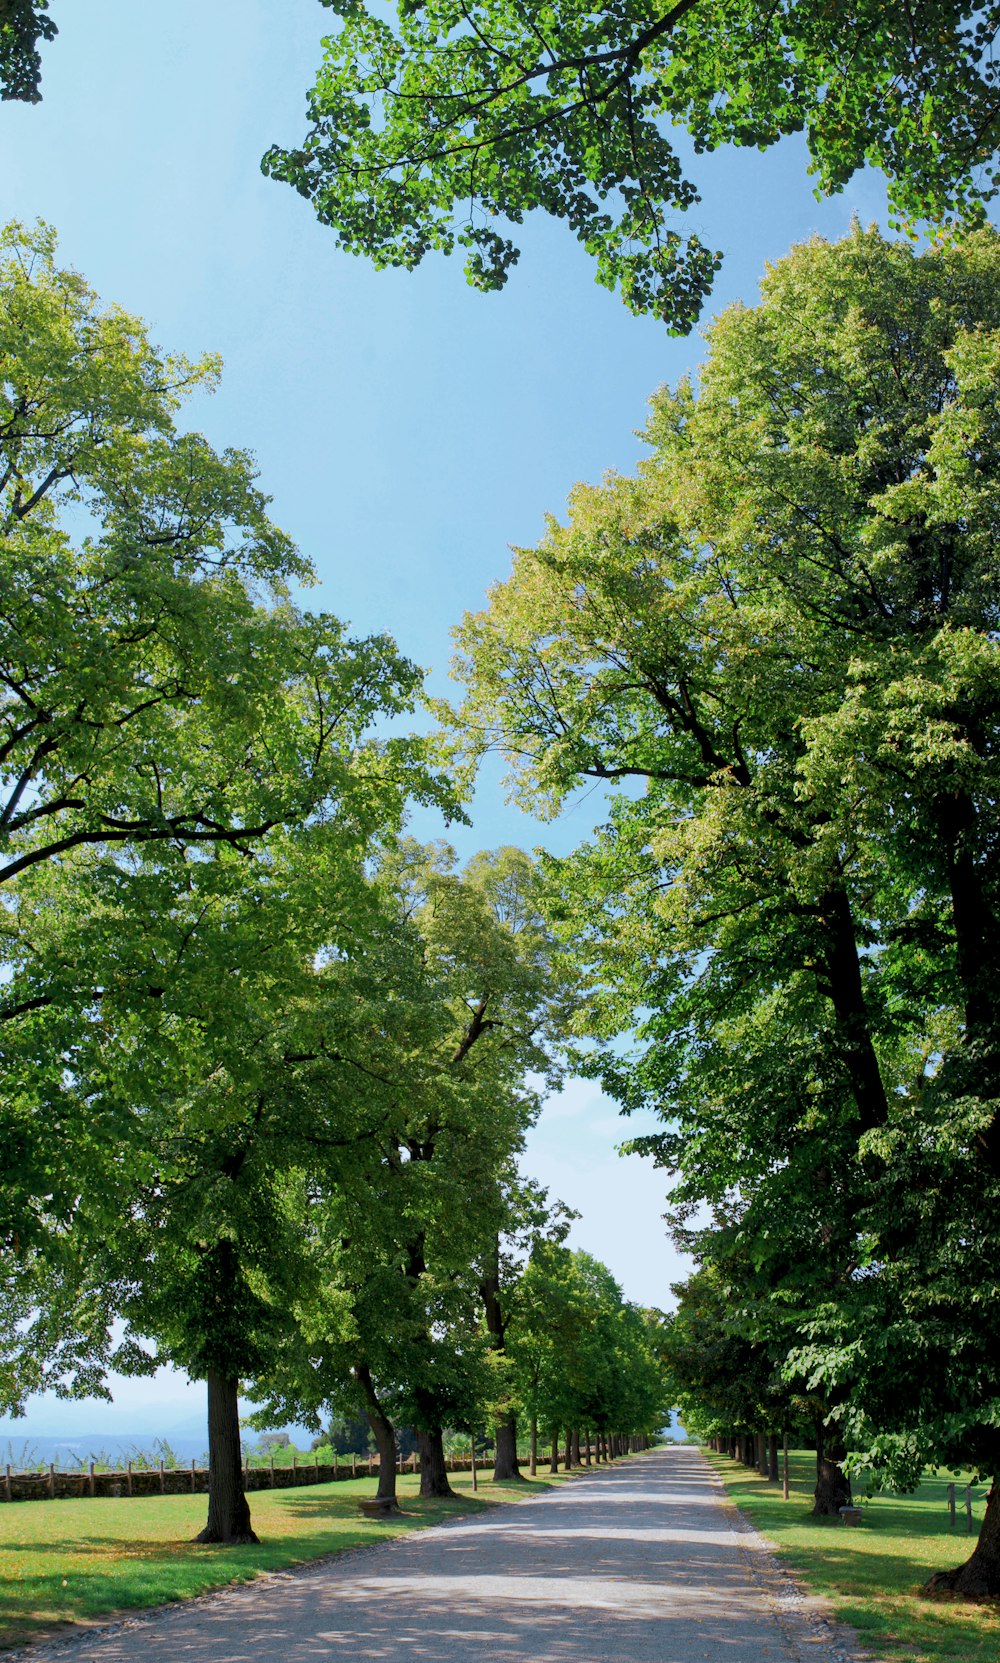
x=873 y=1574
x=76 y=1561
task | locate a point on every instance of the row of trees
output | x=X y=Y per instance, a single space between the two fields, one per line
x=784 y=629
x=268 y=1064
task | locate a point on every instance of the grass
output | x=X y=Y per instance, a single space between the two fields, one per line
x=873 y=1574
x=80 y=1560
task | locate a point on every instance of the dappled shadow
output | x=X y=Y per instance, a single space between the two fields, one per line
x=638 y=1563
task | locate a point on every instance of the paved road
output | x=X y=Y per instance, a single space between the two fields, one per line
x=641 y=1563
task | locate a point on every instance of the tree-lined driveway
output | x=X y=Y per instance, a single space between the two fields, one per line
x=642 y=1563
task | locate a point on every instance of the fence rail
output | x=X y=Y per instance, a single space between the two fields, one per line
x=50 y=1485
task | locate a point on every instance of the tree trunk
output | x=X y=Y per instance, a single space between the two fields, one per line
x=433 y=1471
x=772 y=1458
x=554 y=1461
x=586 y=1447
x=846 y=992
x=533 y=1456
x=568 y=1451
x=833 y=1487
x=980 y=1575
x=762 y=1454
x=385 y=1440
x=575 y=1448
x=228 y=1509
x=505 y=1464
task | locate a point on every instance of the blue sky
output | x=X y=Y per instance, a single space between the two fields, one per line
x=408 y=428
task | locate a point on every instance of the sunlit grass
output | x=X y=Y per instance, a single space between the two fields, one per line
x=74 y=1561
x=874 y=1573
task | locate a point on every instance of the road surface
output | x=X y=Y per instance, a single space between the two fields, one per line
x=643 y=1562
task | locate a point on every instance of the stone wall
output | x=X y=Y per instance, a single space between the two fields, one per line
x=145 y=1481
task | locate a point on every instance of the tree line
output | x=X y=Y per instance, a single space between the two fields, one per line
x=781 y=635
x=268 y=1062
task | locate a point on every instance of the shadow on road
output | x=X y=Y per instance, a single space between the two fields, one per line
x=638 y=1564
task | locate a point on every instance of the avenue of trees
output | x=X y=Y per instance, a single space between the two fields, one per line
x=267 y=1063
x=784 y=629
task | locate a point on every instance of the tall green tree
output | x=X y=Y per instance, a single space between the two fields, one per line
x=209 y=1102
x=785 y=627
x=444 y=124
x=164 y=709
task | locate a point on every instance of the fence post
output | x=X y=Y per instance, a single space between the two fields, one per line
x=784 y=1464
x=951 y=1505
x=371 y=1464
x=163 y=1482
x=7 y=1493
x=335 y=1463
x=354 y=1465
x=295 y=1469
x=192 y=1477
x=316 y=1469
x=272 y=1469
x=52 y=1481
x=475 y=1486
x=968 y=1510
x=91 y=1486
x=128 y=1478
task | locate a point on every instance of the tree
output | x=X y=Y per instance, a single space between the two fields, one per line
x=581 y=1358
x=448 y=123
x=784 y=627
x=217 y=1094
x=165 y=709
x=23 y=23
x=458 y=1003
x=528 y=1222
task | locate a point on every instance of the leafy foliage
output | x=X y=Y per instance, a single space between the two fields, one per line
x=23 y=23
x=165 y=710
x=784 y=627
x=448 y=123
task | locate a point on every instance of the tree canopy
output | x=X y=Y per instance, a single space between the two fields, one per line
x=165 y=709
x=445 y=124
x=457 y=1001
x=23 y=23
x=785 y=627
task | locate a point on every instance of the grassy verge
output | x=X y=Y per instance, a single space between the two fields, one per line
x=76 y=1561
x=873 y=1574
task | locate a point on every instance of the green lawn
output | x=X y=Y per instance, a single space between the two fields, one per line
x=873 y=1574
x=73 y=1561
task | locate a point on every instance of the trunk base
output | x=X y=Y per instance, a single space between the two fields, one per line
x=228 y=1519
x=240 y=1540
x=433 y=1471
x=505 y=1464
x=833 y=1487
x=833 y=1491
x=979 y=1577
x=967 y=1581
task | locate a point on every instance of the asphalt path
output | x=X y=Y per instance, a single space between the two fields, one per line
x=643 y=1562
